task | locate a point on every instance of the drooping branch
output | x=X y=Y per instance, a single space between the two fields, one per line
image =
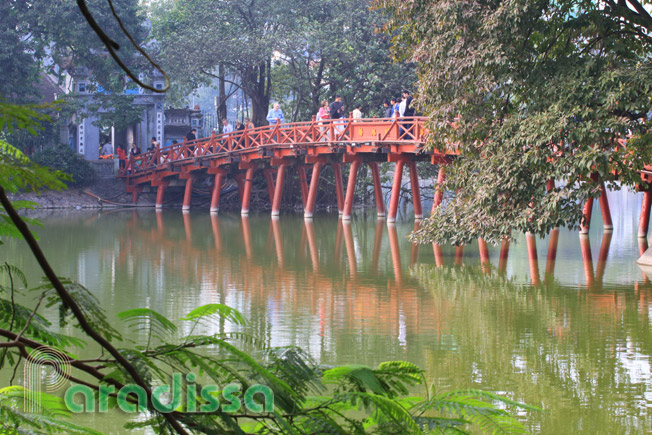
x=71 y=304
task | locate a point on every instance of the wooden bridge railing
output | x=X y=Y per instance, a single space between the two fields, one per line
x=339 y=131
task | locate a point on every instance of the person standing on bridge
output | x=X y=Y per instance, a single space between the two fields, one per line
x=388 y=109
x=275 y=115
x=323 y=115
x=336 y=110
x=357 y=113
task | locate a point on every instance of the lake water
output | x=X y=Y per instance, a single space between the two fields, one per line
x=573 y=337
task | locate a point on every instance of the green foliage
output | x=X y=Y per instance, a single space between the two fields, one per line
x=53 y=419
x=528 y=92
x=64 y=159
x=38 y=33
x=297 y=52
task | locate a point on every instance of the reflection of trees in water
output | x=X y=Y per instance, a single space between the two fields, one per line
x=582 y=352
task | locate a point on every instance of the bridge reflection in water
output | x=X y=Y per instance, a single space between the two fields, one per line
x=562 y=322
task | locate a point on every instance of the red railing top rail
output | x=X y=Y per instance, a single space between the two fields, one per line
x=340 y=131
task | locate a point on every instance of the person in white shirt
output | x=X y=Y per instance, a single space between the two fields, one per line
x=357 y=113
x=226 y=127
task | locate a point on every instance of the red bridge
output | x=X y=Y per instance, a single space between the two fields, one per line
x=303 y=146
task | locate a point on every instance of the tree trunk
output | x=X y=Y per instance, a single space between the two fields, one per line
x=256 y=83
x=221 y=108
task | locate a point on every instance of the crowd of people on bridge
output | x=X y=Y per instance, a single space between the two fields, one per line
x=393 y=108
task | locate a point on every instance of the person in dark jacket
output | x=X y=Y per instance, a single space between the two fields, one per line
x=336 y=110
x=388 y=109
x=192 y=135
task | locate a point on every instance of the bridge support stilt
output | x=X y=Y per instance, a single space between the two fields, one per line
x=378 y=189
x=246 y=191
x=416 y=192
x=217 y=190
x=644 y=221
x=303 y=183
x=160 y=192
x=278 y=190
x=504 y=254
x=187 y=195
x=533 y=259
x=587 y=210
x=552 y=252
x=309 y=205
x=339 y=188
x=484 y=252
x=396 y=192
x=604 y=208
x=135 y=193
x=269 y=178
x=459 y=255
x=439 y=192
x=350 y=190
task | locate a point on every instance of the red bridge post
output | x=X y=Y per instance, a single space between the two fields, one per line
x=396 y=191
x=217 y=190
x=339 y=188
x=278 y=191
x=350 y=189
x=246 y=193
x=644 y=221
x=378 y=189
x=312 y=193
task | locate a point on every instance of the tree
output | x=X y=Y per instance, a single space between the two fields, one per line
x=301 y=52
x=200 y=41
x=528 y=92
x=339 y=52
x=48 y=36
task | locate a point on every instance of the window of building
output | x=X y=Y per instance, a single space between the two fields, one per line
x=158 y=85
x=81 y=87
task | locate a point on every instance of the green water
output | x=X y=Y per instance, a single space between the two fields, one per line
x=578 y=344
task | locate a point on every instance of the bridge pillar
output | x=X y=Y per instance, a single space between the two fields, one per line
x=136 y=190
x=552 y=252
x=416 y=192
x=378 y=189
x=339 y=188
x=246 y=193
x=439 y=192
x=644 y=221
x=269 y=178
x=504 y=254
x=160 y=191
x=187 y=195
x=587 y=210
x=396 y=191
x=484 y=253
x=278 y=191
x=350 y=190
x=217 y=190
x=533 y=259
x=309 y=205
x=604 y=208
x=303 y=184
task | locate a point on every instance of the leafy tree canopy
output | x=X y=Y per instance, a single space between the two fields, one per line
x=303 y=51
x=53 y=35
x=528 y=92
